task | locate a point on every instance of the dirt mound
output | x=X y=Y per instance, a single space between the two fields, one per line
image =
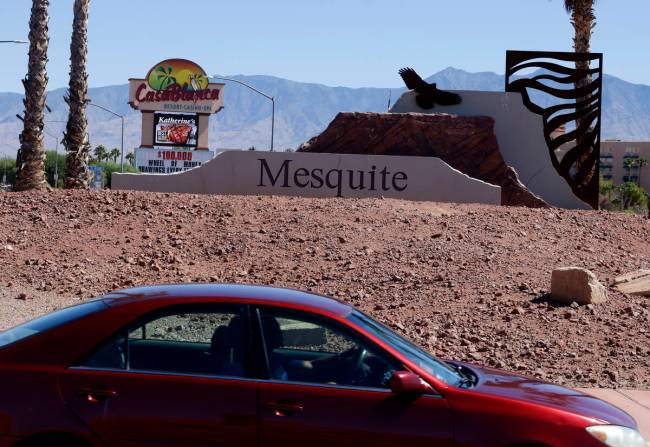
x=466 y=143
x=465 y=281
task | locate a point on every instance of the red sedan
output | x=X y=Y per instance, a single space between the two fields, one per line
x=216 y=365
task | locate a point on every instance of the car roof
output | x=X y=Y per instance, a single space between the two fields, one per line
x=234 y=292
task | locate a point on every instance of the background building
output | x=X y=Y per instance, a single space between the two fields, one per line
x=626 y=161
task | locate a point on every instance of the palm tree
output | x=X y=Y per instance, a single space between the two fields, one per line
x=130 y=157
x=640 y=163
x=583 y=21
x=100 y=153
x=628 y=164
x=76 y=134
x=30 y=160
x=114 y=154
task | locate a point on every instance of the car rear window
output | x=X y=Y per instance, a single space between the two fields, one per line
x=49 y=321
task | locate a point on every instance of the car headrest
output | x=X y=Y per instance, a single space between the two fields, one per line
x=218 y=344
x=272 y=332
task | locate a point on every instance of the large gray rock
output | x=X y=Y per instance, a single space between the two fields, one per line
x=569 y=284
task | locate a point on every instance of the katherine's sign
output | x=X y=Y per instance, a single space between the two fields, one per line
x=176 y=130
x=176 y=85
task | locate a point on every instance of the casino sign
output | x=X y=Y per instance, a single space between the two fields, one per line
x=176 y=99
x=176 y=85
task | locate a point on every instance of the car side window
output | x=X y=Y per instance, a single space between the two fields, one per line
x=191 y=340
x=303 y=348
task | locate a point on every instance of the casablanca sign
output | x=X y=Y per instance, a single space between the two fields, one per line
x=176 y=99
x=176 y=85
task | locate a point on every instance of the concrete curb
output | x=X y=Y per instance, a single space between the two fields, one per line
x=634 y=402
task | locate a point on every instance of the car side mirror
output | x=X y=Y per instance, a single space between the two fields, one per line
x=406 y=382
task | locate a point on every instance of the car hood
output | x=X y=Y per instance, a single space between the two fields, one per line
x=515 y=386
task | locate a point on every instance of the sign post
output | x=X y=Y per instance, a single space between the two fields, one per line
x=98 y=176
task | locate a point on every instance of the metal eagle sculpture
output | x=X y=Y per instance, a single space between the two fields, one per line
x=428 y=95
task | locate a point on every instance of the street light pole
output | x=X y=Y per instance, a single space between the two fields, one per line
x=269 y=97
x=56 y=153
x=121 y=117
x=13 y=41
x=56 y=163
x=4 y=170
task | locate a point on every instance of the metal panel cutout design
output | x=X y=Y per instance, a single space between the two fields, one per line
x=565 y=89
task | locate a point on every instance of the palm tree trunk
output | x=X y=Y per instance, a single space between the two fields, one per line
x=30 y=160
x=583 y=21
x=76 y=134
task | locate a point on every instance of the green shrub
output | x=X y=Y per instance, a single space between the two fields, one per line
x=109 y=168
x=8 y=170
x=632 y=196
x=51 y=160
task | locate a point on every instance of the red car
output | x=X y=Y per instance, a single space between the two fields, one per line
x=223 y=365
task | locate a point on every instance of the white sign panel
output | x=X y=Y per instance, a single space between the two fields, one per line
x=168 y=161
x=320 y=175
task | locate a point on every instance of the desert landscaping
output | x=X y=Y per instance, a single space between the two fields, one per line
x=468 y=282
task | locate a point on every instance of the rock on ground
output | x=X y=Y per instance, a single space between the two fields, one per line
x=469 y=282
x=575 y=284
x=634 y=283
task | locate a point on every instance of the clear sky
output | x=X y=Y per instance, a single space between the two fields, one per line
x=335 y=42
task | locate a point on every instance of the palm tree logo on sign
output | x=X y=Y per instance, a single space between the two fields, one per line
x=177 y=72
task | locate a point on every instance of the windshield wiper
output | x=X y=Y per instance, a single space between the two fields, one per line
x=467 y=378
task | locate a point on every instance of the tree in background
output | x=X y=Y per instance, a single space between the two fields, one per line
x=583 y=20
x=640 y=163
x=607 y=199
x=7 y=173
x=109 y=168
x=631 y=195
x=76 y=134
x=130 y=158
x=30 y=160
x=100 y=153
x=114 y=154
x=52 y=159
x=628 y=164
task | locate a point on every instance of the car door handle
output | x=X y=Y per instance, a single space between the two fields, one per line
x=284 y=408
x=96 y=395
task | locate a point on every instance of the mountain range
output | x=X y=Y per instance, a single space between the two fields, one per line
x=303 y=110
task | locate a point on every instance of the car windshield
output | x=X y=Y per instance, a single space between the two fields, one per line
x=49 y=321
x=424 y=360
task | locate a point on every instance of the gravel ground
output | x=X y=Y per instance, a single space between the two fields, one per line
x=468 y=282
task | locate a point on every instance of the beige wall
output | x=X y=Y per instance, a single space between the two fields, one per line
x=613 y=154
x=202 y=140
x=251 y=172
x=520 y=136
x=147 y=130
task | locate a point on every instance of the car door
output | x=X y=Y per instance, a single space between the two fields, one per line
x=328 y=386
x=178 y=377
